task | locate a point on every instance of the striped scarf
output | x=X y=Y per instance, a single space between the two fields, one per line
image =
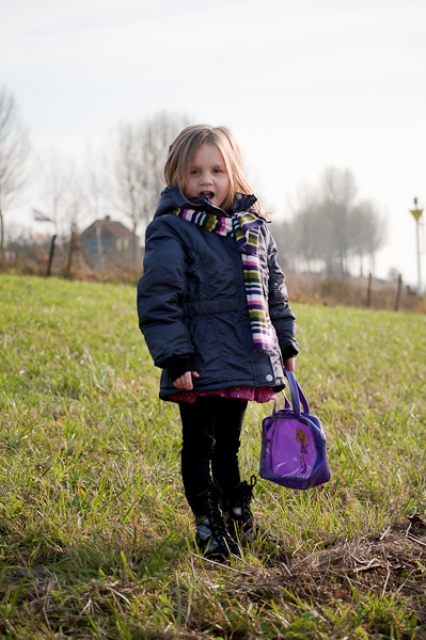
x=244 y=227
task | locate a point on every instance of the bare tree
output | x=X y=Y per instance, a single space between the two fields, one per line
x=308 y=233
x=331 y=226
x=283 y=232
x=96 y=182
x=14 y=150
x=60 y=196
x=160 y=132
x=339 y=192
x=130 y=175
x=367 y=232
x=141 y=151
x=308 y=239
x=57 y=184
x=96 y=192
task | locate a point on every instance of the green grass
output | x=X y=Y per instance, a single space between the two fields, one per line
x=95 y=533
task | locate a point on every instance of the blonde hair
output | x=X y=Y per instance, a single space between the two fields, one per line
x=183 y=149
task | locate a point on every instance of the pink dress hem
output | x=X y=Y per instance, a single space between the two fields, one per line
x=261 y=394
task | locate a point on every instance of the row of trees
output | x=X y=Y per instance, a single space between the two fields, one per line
x=330 y=227
x=122 y=180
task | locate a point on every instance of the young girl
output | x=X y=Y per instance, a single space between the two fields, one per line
x=214 y=311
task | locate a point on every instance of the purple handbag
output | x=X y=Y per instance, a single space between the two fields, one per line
x=294 y=450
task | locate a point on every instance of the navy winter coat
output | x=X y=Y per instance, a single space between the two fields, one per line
x=192 y=304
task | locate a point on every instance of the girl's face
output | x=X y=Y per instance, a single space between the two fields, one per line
x=208 y=175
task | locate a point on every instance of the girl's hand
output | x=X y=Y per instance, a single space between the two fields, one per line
x=185 y=380
x=290 y=364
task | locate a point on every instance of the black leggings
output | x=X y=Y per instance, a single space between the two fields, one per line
x=211 y=429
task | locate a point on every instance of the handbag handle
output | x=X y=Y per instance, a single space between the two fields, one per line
x=297 y=395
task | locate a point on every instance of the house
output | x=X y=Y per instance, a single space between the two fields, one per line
x=109 y=242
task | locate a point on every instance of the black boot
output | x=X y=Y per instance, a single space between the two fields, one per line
x=237 y=514
x=211 y=536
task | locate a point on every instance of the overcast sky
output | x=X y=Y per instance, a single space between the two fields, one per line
x=303 y=84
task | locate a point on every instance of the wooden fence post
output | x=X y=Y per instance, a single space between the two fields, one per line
x=70 y=252
x=398 y=293
x=51 y=254
x=369 y=287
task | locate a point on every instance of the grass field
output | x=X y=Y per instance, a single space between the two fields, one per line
x=95 y=534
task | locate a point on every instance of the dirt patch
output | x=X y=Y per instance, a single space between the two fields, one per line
x=391 y=563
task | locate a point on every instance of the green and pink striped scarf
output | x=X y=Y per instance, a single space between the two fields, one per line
x=244 y=227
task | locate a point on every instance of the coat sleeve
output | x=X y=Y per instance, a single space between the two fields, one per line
x=280 y=312
x=161 y=293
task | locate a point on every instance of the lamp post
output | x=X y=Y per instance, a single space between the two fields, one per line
x=417 y=214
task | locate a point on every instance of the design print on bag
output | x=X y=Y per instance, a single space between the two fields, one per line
x=304 y=441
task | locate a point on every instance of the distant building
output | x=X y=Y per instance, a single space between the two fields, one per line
x=109 y=242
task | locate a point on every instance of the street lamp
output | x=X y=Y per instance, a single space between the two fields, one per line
x=417 y=214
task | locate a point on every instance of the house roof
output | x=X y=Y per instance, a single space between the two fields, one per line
x=107 y=227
